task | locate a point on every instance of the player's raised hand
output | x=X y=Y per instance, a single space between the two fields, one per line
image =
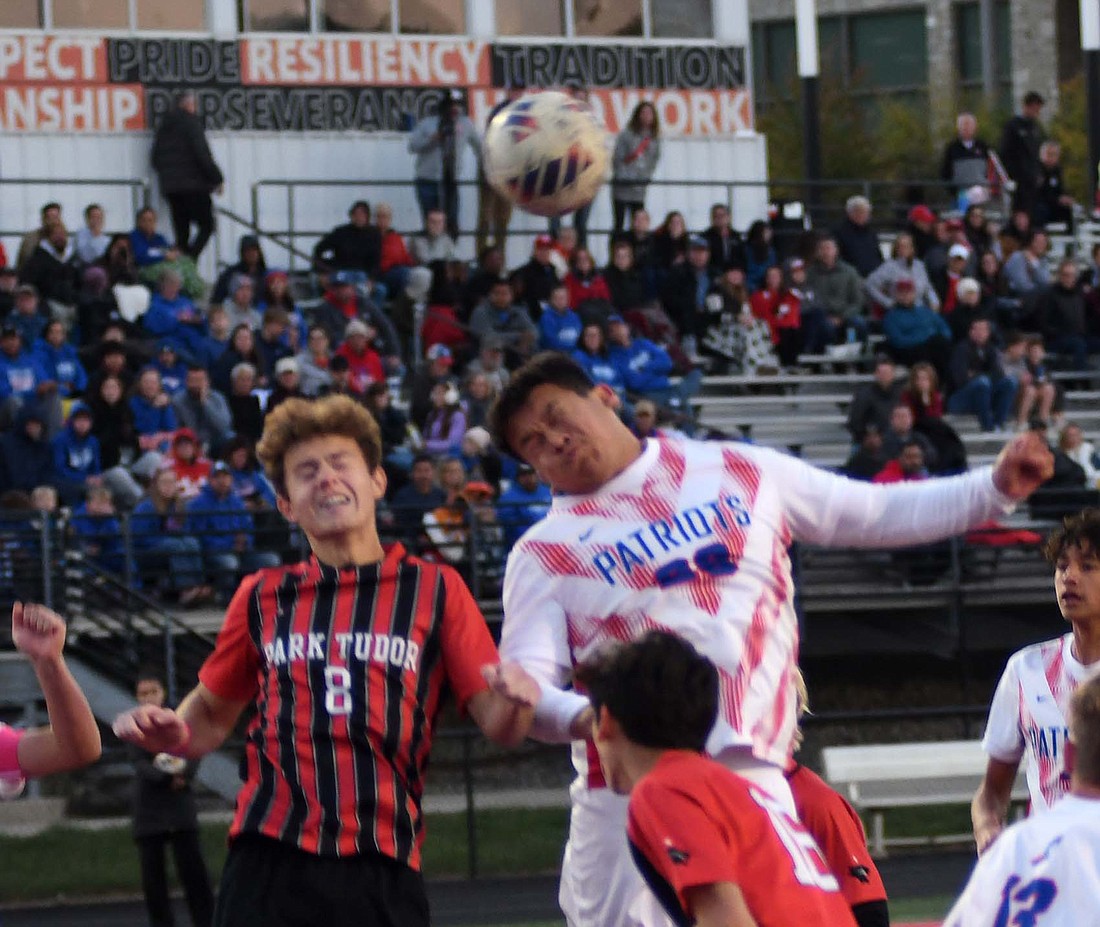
x=513 y=682
x=36 y=631
x=1023 y=465
x=153 y=728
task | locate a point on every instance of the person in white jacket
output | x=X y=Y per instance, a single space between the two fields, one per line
x=1073 y=444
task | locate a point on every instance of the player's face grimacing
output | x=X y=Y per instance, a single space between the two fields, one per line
x=1077 y=584
x=575 y=443
x=330 y=490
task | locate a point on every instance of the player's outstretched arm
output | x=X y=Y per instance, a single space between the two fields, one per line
x=72 y=738
x=719 y=904
x=506 y=710
x=989 y=809
x=201 y=724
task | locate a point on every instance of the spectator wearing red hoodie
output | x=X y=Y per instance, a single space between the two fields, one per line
x=364 y=362
x=586 y=284
x=396 y=266
x=191 y=468
x=775 y=304
x=907 y=467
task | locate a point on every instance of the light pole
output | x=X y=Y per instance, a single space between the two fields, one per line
x=805 y=23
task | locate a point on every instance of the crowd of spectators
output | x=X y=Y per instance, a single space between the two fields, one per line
x=133 y=386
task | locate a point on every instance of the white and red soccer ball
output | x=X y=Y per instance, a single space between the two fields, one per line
x=546 y=152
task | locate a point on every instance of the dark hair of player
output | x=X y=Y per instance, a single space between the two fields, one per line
x=148 y=673
x=660 y=689
x=1084 y=727
x=1080 y=531
x=550 y=368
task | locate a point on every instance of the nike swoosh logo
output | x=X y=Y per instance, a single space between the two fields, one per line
x=584 y=537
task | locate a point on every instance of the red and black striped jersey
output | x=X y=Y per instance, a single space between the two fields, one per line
x=347 y=669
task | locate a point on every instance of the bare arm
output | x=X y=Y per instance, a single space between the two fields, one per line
x=72 y=738
x=506 y=710
x=199 y=726
x=989 y=809
x=719 y=904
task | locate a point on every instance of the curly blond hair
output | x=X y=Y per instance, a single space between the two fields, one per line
x=298 y=420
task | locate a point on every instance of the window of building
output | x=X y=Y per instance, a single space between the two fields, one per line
x=20 y=14
x=831 y=48
x=356 y=15
x=274 y=15
x=183 y=15
x=530 y=17
x=605 y=18
x=433 y=17
x=91 y=14
x=968 y=41
x=889 y=50
x=681 y=19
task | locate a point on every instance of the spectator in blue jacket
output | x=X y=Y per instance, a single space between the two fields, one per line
x=28 y=313
x=173 y=317
x=220 y=519
x=76 y=458
x=148 y=245
x=97 y=531
x=249 y=480
x=172 y=370
x=559 y=325
x=154 y=418
x=592 y=355
x=60 y=360
x=26 y=458
x=914 y=332
x=645 y=368
x=523 y=503
x=24 y=383
x=159 y=527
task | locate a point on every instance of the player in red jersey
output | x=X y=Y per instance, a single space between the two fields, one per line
x=715 y=849
x=345 y=657
x=839 y=832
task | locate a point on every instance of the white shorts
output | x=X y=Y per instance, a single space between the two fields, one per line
x=600 y=885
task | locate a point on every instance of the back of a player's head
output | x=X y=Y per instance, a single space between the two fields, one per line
x=1080 y=532
x=550 y=368
x=1084 y=731
x=297 y=420
x=660 y=689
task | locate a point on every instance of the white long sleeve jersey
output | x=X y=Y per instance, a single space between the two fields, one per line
x=692 y=538
x=1044 y=871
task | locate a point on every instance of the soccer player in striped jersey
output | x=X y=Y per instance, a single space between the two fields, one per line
x=716 y=849
x=690 y=537
x=1028 y=713
x=345 y=657
x=72 y=738
x=1045 y=871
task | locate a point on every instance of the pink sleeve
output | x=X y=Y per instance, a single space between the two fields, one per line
x=9 y=750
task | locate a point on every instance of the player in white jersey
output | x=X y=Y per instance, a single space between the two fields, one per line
x=72 y=738
x=1045 y=871
x=1028 y=713
x=689 y=537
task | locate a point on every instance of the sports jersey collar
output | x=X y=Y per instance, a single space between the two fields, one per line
x=1077 y=670
x=386 y=567
x=629 y=480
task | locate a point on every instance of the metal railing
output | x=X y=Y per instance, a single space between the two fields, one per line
x=821 y=202
x=139 y=192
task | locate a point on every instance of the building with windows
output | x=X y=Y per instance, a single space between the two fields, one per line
x=935 y=53
x=307 y=102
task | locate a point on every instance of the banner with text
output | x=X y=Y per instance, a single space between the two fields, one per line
x=300 y=83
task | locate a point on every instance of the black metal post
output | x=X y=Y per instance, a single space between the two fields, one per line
x=1092 y=108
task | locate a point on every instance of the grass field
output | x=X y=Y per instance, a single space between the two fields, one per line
x=68 y=862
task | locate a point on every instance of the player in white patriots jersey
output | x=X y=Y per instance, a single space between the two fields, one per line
x=689 y=537
x=1028 y=714
x=1045 y=871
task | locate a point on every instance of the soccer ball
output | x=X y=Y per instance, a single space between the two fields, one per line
x=546 y=152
